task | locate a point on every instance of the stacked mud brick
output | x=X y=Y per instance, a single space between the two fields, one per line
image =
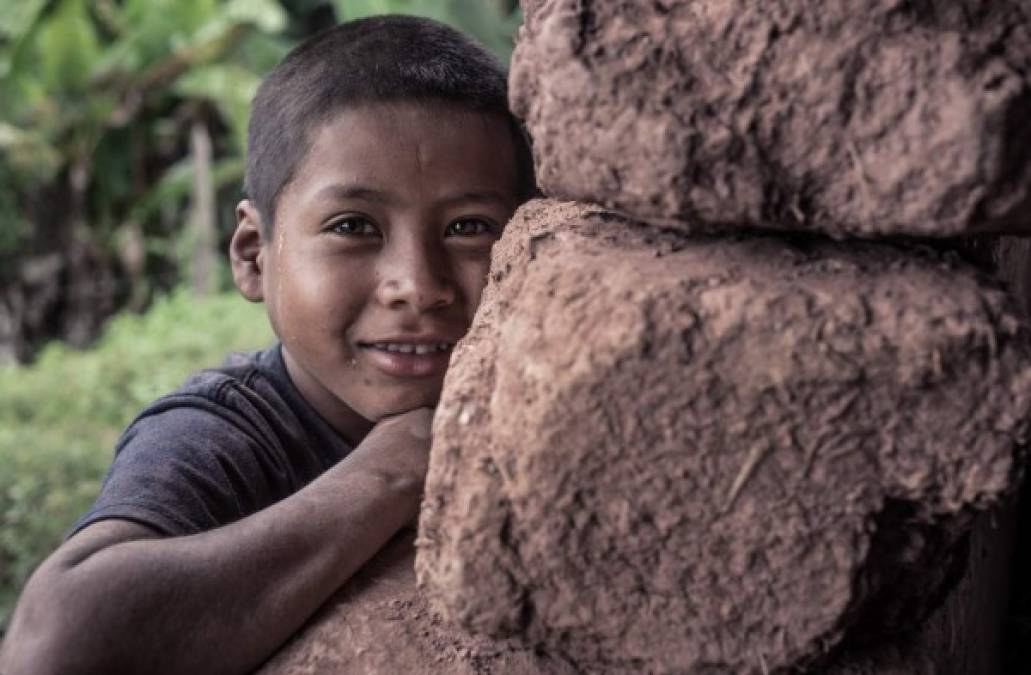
x=732 y=406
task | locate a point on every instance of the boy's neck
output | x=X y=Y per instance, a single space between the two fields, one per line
x=351 y=426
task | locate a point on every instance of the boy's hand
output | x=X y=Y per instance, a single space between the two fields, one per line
x=397 y=451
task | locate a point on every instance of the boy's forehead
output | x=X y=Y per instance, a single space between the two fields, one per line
x=394 y=142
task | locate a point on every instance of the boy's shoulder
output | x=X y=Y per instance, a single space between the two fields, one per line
x=230 y=441
x=249 y=391
x=249 y=376
x=238 y=370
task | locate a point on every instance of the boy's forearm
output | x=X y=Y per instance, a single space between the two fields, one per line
x=218 y=602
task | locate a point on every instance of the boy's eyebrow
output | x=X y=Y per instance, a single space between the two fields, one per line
x=355 y=192
x=364 y=193
x=479 y=196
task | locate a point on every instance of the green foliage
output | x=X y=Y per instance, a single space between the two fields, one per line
x=60 y=417
x=96 y=101
x=14 y=229
x=230 y=88
x=68 y=46
x=492 y=22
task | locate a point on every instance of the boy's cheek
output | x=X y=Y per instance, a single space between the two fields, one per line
x=379 y=404
x=475 y=272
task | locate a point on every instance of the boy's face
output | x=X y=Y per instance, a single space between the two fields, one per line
x=379 y=253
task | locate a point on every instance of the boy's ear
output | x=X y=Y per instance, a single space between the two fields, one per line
x=246 y=252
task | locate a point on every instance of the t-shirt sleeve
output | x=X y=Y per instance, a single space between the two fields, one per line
x=189 y=466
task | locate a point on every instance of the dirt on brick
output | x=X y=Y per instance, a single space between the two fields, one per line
x=737 y=454
x=867 y=117
x=379 y=624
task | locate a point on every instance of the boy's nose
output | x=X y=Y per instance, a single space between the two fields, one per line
x=412 y=280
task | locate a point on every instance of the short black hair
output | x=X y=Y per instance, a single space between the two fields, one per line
x=380 y=59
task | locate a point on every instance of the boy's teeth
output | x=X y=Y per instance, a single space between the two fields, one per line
x=408 y=348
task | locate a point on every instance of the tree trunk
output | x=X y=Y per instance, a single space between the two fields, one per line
x=203 y=215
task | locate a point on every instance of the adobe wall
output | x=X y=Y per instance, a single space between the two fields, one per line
x=748 y=392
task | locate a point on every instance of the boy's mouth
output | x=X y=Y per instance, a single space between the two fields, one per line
x=409 y=347
x=408 y=359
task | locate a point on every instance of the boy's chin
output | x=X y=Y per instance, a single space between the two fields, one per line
x=398 y=406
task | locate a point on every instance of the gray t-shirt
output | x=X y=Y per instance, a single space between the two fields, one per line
x=231 y=441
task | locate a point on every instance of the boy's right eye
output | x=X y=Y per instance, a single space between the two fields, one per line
x=353 y=226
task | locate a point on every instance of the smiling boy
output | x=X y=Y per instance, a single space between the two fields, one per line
x=382 y=166
x=380 y=250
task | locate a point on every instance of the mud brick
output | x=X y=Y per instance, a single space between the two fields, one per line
x=379 y=624
x=657 y=453
x=864 y=117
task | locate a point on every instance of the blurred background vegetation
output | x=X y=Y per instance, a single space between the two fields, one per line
x=122 y=139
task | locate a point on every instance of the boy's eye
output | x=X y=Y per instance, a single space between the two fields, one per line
x=470 y=227
x=354 y=226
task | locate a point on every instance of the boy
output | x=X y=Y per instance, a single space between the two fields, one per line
x=382 y=166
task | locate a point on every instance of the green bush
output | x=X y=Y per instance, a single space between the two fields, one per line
x=60 y=417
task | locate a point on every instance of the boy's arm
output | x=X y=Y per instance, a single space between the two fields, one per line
x=117 y=598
